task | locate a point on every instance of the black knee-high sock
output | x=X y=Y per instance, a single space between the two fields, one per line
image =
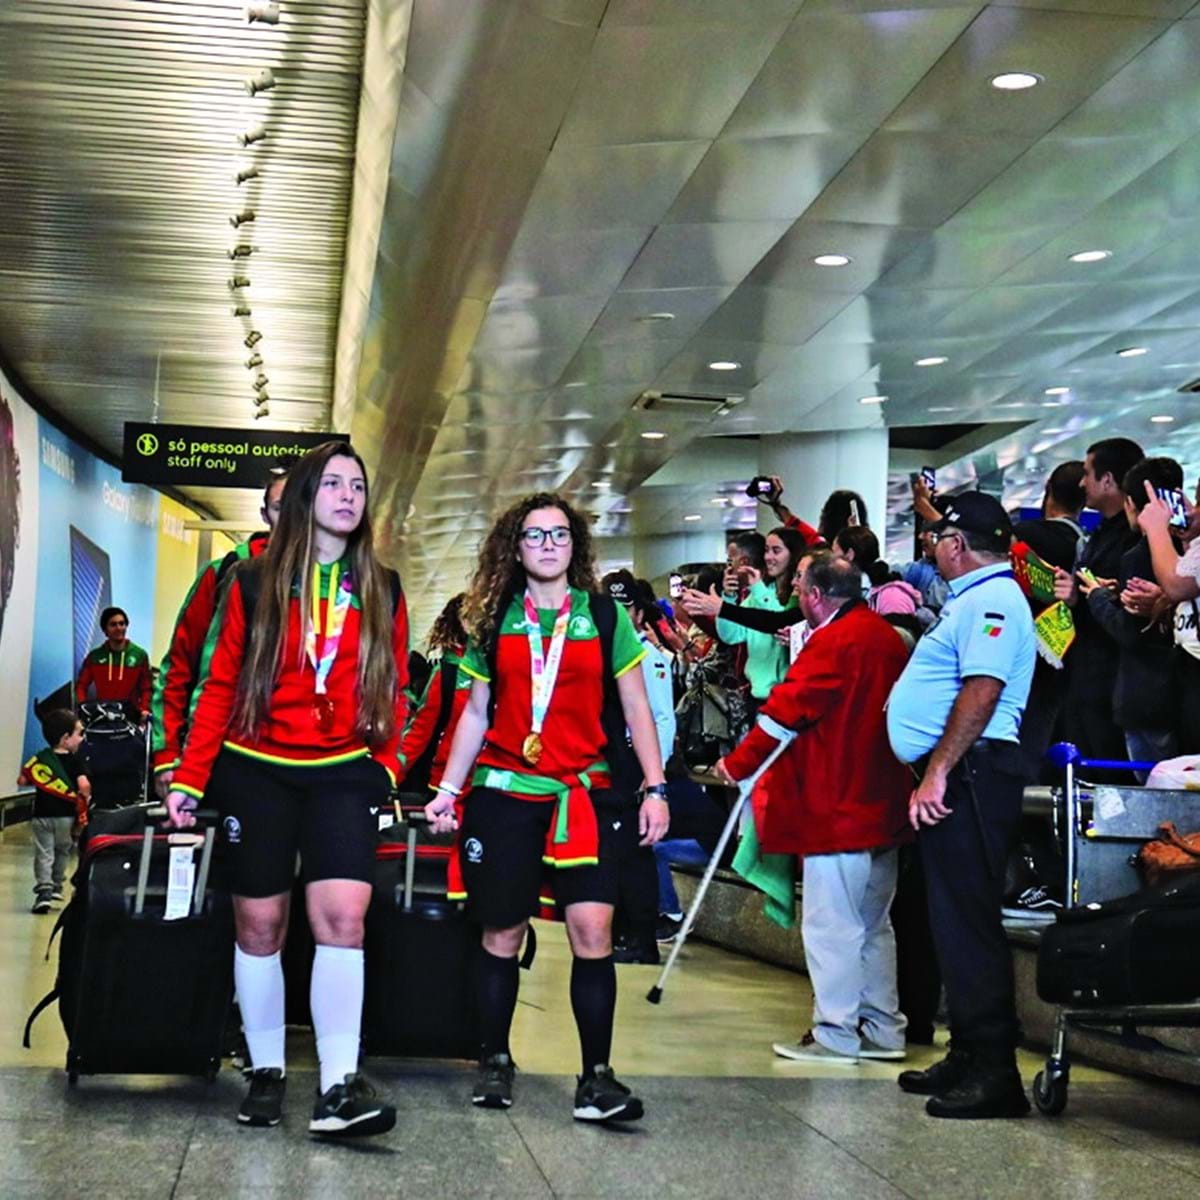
x=496 y=982
x=593 y=1001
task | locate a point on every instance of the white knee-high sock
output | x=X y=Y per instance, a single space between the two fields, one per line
x=259 y=983
x=337 y=1000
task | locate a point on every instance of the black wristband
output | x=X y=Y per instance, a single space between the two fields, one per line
x=658 y=790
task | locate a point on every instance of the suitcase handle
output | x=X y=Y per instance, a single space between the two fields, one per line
x=208 y=817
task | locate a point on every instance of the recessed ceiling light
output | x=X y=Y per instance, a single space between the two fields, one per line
x=1090 y=256
x=653 y=435
x=1057 y=391
x=602 y=483
x=1053 y=403
x=833 y=260
x=1015 y=81
x=1132 y=352
x=1013 y=404
x=693 y=517
x=941 y=408
x=871 y=399
x=576 y=383
x=723 y=364
x=720 y=500
x=657 y=316
x=935 y=360
x=1162 y=419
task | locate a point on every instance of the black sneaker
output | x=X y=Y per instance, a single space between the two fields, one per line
x=602 y=1097
x=667 y=929
x=41 y=905
x=263 y=1105
x=1033 y=904
x=57 y=894
x=493 y=1087
x=636 y=950
x=351 y=1109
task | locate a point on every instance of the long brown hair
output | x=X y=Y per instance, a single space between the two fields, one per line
x=288 y=562
x=500 y=574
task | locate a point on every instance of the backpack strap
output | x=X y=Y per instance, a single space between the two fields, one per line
x=43 y=1004
x=623 y=764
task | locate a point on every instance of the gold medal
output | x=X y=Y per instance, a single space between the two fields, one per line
x=531 y=749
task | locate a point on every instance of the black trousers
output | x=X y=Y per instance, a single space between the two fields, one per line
x=918 y=979
x=963 y=856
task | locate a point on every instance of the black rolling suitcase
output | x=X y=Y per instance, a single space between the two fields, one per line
x=420 y=954
x=1140 y=949
x=145 y=968
x=117 y=751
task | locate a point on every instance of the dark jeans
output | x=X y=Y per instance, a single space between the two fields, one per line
x=964 y=856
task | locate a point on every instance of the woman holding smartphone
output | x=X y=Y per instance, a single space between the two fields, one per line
x=526 y=777
x=294 y=741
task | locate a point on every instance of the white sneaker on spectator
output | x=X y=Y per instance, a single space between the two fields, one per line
x=870 y=1049
x=808 y=1049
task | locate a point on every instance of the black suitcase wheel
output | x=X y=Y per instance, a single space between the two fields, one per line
x=1050 y=1091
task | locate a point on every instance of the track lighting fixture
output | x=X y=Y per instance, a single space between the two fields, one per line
x=240 y=251
x=255 y=360
x=263 y=14
x=241 y=310
x=264 y=81
x=256 y=133
x=245 y=175
x=243 y=218
x=260 y=381
x=252 y=339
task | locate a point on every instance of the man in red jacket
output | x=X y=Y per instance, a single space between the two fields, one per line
x=838 y=799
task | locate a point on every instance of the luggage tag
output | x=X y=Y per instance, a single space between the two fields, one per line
x=181 y=876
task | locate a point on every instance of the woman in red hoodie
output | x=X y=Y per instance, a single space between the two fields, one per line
x=294 y=740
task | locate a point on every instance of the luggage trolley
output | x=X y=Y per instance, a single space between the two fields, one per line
x=1102 y=828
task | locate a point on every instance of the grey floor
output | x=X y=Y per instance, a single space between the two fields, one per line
x=701 y=1137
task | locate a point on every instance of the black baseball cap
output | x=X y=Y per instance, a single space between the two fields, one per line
x=976 y=512
x=621 y=586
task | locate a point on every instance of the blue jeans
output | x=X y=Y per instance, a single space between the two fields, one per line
x=686 y=852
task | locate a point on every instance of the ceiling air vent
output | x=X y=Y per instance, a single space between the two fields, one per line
x=687 y=404
x=1190 y=389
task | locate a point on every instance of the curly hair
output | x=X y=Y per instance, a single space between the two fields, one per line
x=500 y=575
x=447 y=632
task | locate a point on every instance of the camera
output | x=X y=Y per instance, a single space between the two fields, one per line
x=760 y=488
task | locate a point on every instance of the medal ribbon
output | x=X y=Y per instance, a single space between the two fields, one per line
x=336 y=608
x=544 y=668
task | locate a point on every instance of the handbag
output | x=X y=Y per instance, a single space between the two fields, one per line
x=1169 y=853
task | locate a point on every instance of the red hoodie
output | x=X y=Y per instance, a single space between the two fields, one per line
x=289 y=734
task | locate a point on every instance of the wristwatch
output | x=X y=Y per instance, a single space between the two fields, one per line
x=658 y=790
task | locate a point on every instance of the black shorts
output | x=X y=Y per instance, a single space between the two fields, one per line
x=501 y=847
x=271 y=811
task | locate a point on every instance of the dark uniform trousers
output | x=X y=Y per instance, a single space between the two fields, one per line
x=964 y=856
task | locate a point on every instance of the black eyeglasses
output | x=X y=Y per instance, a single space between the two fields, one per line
x=936 y=535
x=534 y=537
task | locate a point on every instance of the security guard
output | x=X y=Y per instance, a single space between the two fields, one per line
x=955 y=714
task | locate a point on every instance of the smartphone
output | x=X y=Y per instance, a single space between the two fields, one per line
x=1086 y=575
x=855 y=519
x=675 y=586
x=930 y=476
x=759 y=487
x=1173 y=498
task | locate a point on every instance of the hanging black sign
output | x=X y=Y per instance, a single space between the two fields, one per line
x=209 y=457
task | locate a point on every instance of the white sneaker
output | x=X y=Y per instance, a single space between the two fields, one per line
x=870 y=1049
x=808 y=1049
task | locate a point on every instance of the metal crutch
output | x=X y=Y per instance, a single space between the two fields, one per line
x=745 y=789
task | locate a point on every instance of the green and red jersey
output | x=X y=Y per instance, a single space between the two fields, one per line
x=422 y=725
x=192 y=643
x=573 y=736
x=291 y=733
x=116 y=675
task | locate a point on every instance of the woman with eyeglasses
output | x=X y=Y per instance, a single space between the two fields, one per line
x=527 y=780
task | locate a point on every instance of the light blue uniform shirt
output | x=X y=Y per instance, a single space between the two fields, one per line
x=660 y=690
x=985 y=629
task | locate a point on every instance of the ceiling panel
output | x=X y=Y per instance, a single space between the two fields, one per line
x=811 y=84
